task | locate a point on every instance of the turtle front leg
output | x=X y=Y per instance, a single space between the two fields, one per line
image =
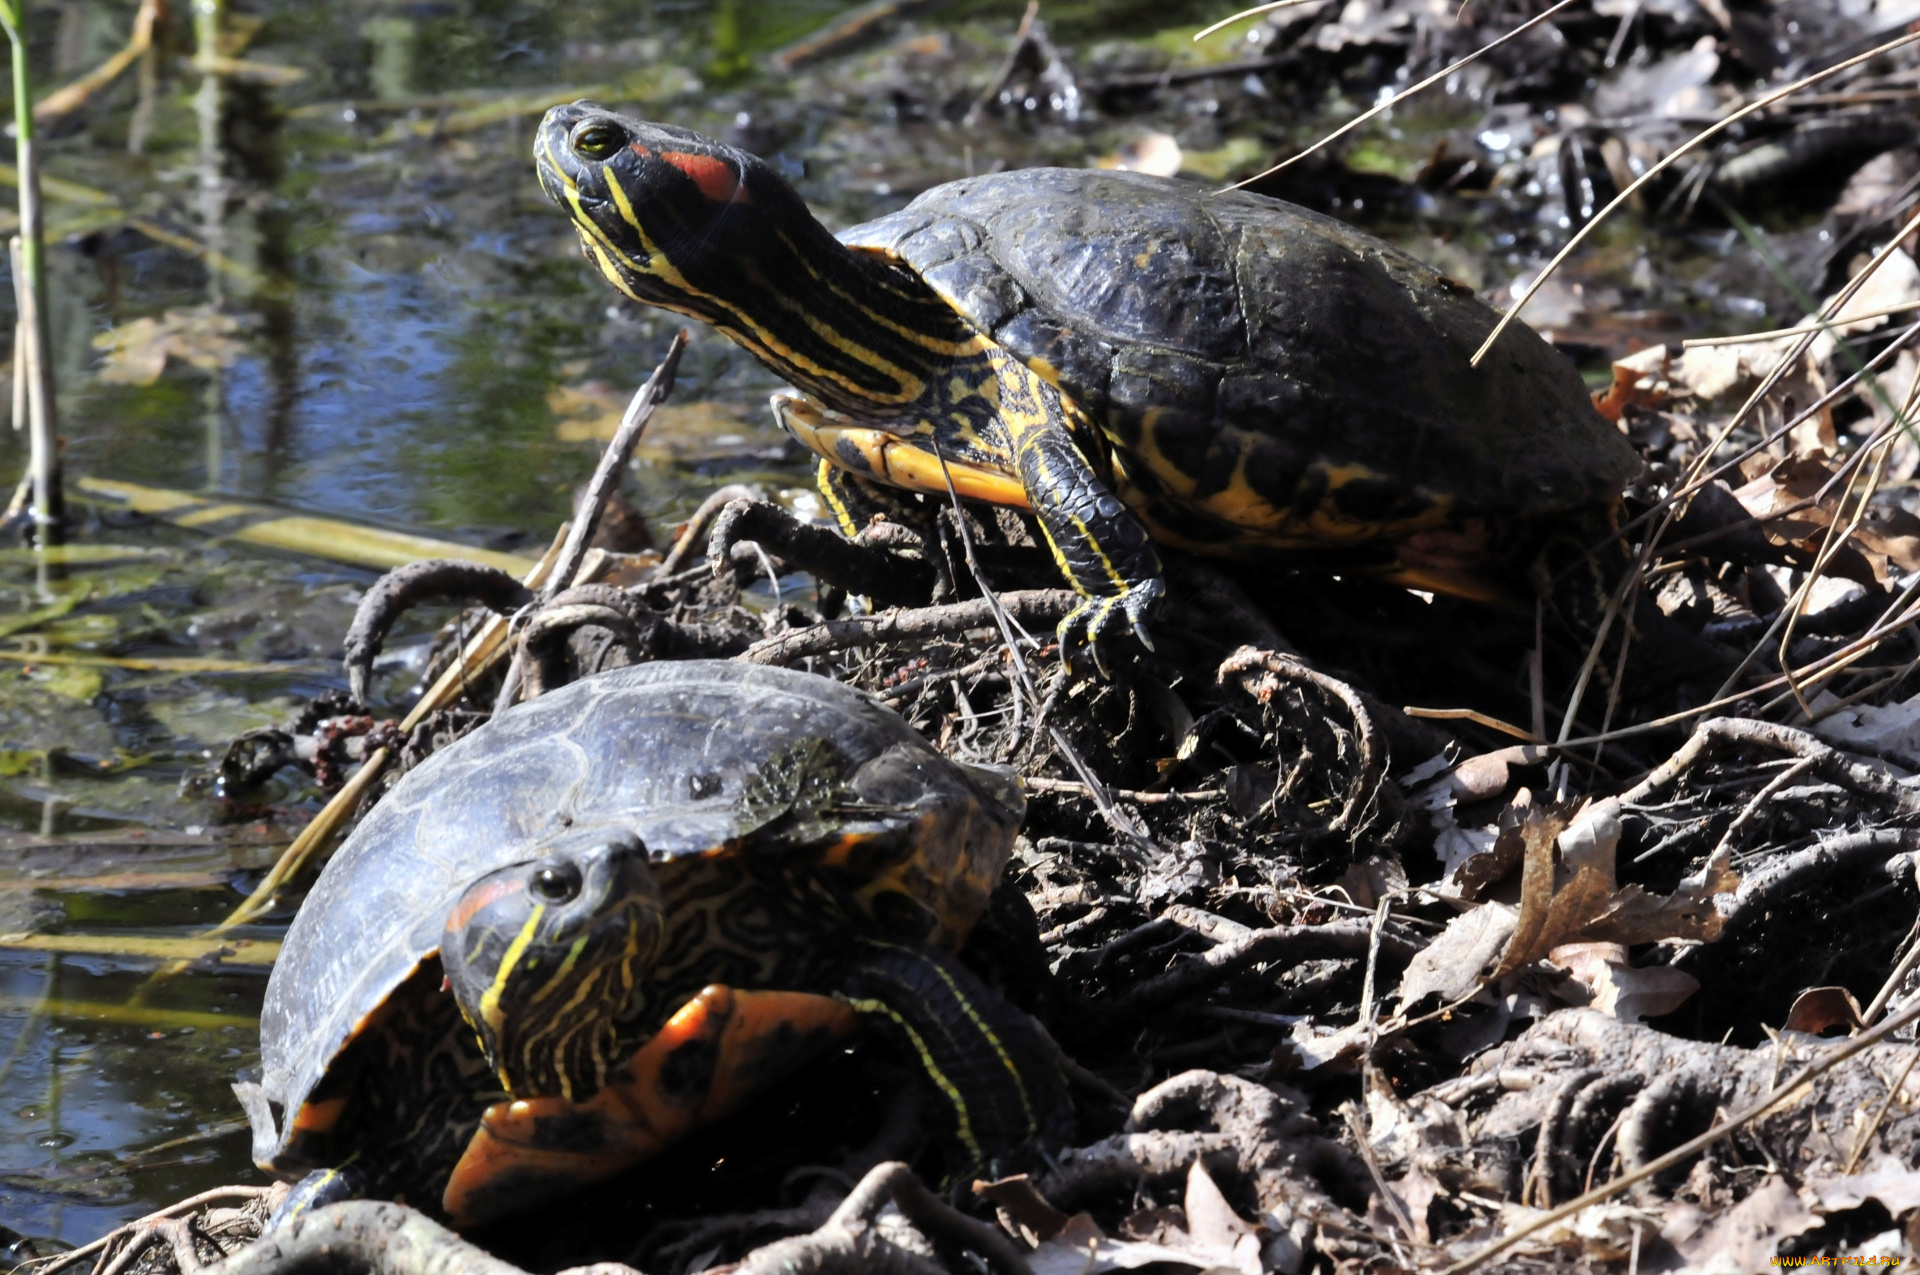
x=1100 y=547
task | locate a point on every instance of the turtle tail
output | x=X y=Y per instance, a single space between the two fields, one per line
x=996 y=1077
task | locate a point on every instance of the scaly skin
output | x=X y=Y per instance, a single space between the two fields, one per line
x=678 y=221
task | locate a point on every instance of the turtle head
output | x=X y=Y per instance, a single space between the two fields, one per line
x=670 y=217
x=544 y=953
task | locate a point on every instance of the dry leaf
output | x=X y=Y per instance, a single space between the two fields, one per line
x=1475 y=877
x=137 y=352
x=1554 y=903
x=1819 y=1008
x=1155 y=153
x=1616 y=988
x=1743 y=1237
x=1453 y=964
x=1478 y=778
x=1882 y=546
x=1214 y=1231
x=1888 y=727
x=1896 y=282
x=1885 y=1179
x=1639 y=380
x=1567 y=895
x=1019 y=1200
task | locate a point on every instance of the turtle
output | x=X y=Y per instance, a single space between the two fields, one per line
x=1137 y=360
x=613 y=914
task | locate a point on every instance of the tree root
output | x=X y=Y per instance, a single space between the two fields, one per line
x=1289 y=942
x=855 y=1239
x=372 y=1237
x=889 y=578
x=1234 y=1128
x=1260 y=674
x=1034 y=608
x=1829 y=763
x=586 y=630
x=403 y=588
x=1567 y=1076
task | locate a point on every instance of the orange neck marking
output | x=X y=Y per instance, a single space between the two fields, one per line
x=474 y=900
x=715 y=177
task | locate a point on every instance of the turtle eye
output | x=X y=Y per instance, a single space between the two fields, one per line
x=556 y=883
x=596 y=141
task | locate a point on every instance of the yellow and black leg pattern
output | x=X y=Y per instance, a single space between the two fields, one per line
x=995 y=1077
x=1098 y=544
x=855 y=502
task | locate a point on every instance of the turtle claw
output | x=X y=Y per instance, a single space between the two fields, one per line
x=1091 y=628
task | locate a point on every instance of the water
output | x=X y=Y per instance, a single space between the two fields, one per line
x=398 y=329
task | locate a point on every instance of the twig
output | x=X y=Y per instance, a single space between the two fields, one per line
x=693 y=538
x=1880 y=1116
x=1660 y=166
x=1259 y=673
x=1903 y=967
x=1401 y=96
x=1476 y=717
x=1821 y=325
x=1254 y=12
x=1039 y=783
x=1117 y=819
x=600 y=488
x=613 y=463
x=1032 y=606
x=1761 y=798
x=1298 y=942
x=70 y=97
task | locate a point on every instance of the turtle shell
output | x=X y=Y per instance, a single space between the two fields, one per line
x=690 y=757
x=1228 y=337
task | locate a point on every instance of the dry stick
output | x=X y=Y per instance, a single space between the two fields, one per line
x=1254 y=12
x=1696 y=479
x=1666 y=162
x=1880 y=1116
x=1754 y=338
x=1391 y=102
x=1832 y=542
x=68 y=98
x=696 y=529
x=600 y=489
x=1116 y=818
x=1693 y=1146
x=1620 y=594
x=898 y=626
x=1477 y=717
x=1900 y=971
x=613 y=463
x=1761 y=798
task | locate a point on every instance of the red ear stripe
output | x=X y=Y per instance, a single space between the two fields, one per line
x=715 y=177
x=475 y=900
